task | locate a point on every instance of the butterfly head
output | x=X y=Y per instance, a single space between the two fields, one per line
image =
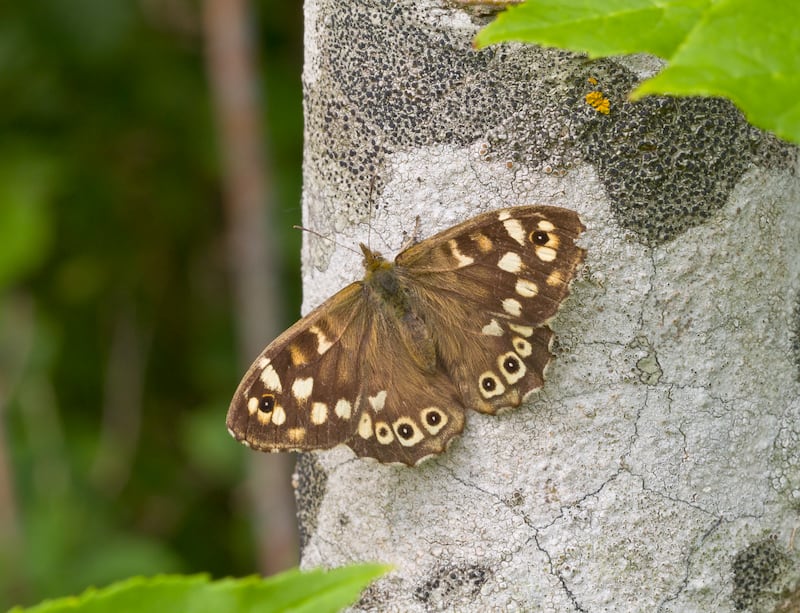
x=373 y=260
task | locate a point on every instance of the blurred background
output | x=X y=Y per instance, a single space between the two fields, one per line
x=138 y=141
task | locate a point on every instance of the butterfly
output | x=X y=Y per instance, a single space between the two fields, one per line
x=389 y=364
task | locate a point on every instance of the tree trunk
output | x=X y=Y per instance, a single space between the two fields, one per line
x=658 y=468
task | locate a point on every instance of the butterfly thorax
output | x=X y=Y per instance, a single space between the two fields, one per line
x=384 y=288
x=381 y=282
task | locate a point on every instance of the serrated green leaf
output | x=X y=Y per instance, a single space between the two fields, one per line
x=599 y=29
x=295 y=591
x=745 y=50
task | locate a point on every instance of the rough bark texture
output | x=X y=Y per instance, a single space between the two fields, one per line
x=658 y=469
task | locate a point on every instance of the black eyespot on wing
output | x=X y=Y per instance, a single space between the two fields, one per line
x=511 y=364
x=539 y=237
x=433 y=418
x=488 y=384
x=267 y=403
x=405 y=431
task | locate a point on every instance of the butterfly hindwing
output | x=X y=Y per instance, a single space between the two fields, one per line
x=411 y=411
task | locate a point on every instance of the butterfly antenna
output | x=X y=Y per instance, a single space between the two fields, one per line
x=369 y=204
x=327 y=238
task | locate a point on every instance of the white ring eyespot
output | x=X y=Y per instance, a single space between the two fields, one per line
x=408 y=434
x=512 y=367
x=433 y=419
x=490 y=385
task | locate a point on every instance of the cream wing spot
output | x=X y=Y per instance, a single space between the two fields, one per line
x=492 y=329
x=545 y=254
x=408 y=434
x=301 y=388
x=522 y=347
x=323 y=344
x=512 y=307
x=510 y=262
x=515 y=230
x=503 y=215
x=343 y=408
x=378 y=401
x=490 y=385
x=526 y=288
x=433 y=419
x=264 y=418
x=545 y=226
x=252 y=405
x=365 y=426
x=525 y=331
x=463 y=260
x=278 y=415
x=383 y=433
x=319 y=413
x=270 y=379
x=512 y=367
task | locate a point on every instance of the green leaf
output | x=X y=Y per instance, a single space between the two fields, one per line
x=606 y=28
x=745 y=50
x=748 y=52
x=316 y=591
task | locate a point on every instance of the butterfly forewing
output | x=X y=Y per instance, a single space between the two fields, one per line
x=388 y=365
x=302 y=392
x=490 y=285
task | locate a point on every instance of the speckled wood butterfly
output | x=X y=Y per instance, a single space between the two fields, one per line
x=388 y=365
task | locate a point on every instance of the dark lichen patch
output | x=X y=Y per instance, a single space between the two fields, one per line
x=759 y=576
x=310 y=482
x=668 y=164
x=451 y=586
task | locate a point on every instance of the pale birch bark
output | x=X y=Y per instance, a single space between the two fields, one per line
x=658 y=469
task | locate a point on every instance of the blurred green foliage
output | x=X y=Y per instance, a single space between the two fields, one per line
x=114 y=290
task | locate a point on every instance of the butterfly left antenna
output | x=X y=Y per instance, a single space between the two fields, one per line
x=327 y=238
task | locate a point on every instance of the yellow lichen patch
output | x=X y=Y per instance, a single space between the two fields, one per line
x=598 y=102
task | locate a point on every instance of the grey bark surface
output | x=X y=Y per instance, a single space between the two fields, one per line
x=658 y=468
